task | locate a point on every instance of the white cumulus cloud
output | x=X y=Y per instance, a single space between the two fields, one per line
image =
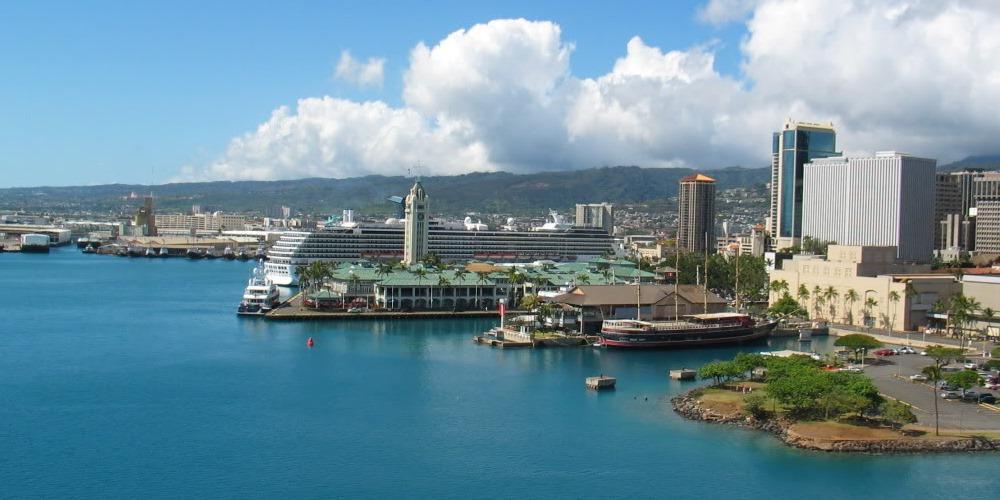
x=918 y=76
x=366 y=74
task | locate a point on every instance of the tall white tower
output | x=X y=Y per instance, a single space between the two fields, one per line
x=415 y=232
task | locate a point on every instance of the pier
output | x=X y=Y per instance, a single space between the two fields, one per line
x=293 y=310
x=602 y=382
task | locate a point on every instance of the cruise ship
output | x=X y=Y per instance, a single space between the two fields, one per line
x=348 y=241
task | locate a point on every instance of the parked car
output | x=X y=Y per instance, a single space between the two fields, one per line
x=951 y=395
x=970 y=366
x=971 y=396
x=918 y=377
x=945 y=386
x=356 y=310
x=907 y=350
x=884 y=352
x=852 y=369
x=987 y=398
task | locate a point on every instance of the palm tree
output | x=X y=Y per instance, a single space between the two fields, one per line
x=962 y=310
x=421 y=274
x=849 y=299
x=482 y=275
x=870 y=303
x=803 y=295
x=779 y=287
x=583 y=278
x=933 y=373
x=831 y=294
x=443 y=283
x=894 y=300
x=817 y=296
x=988 y=315
x=460 y=275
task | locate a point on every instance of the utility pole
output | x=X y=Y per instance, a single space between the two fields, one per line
x=706 y=274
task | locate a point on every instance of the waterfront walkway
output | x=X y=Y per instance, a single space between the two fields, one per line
x=293 y=310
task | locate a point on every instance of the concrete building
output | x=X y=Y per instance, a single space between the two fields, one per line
x=199 y=223
x=902 y=293
x=986 y=194
x=880 y=200
x=954 y=226
x=144 y=222
x=592 y=304
x=696 y=213
x=415 y=226
x=596 y=215
x=797 y=144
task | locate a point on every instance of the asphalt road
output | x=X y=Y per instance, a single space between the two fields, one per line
x=954 y=414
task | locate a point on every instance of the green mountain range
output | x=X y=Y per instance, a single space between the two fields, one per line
x=494 y=192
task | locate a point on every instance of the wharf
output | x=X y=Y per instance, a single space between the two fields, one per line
x=500 y=343
x=600 y=383
x=292 y=310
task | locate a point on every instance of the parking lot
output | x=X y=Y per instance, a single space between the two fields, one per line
x=891 y=376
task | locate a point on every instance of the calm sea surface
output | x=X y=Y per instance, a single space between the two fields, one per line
x=132 y=377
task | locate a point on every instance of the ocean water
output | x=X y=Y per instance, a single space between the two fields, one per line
x=133 y=378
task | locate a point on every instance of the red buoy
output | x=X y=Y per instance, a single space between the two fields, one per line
x=310 y=342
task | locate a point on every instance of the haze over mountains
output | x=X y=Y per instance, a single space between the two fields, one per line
x=492 y=192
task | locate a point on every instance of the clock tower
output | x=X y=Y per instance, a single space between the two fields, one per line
x=415 y=232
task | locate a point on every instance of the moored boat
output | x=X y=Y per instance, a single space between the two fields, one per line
x=260 y=295
x=691 y=331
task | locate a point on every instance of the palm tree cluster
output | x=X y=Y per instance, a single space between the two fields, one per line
x=962 y=311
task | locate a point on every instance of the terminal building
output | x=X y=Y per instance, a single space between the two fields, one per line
x=902 y=294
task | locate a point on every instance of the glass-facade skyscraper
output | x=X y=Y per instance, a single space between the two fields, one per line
x=792 y=148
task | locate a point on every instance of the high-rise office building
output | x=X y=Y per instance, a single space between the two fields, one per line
x=696 y=213
x=792 y=148
x=986 y=191
x=595 y=215
x=879 y=200
x=415 y=229
x=954 y=225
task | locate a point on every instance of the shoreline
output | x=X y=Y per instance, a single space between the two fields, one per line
x=691 y=408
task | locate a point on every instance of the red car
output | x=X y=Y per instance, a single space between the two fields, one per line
x=885 y=352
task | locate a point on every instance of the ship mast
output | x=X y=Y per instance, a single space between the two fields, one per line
x=677 y=274
x=738 y=251
x=638 y=290
x=706 y=274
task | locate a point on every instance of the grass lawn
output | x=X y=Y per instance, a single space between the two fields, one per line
x=836 y=431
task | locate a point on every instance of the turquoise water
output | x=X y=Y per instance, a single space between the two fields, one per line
x=133 y=378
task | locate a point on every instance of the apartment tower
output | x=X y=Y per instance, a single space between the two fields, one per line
x=696 y=213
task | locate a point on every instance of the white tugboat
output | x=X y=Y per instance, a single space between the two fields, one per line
x=260 y=295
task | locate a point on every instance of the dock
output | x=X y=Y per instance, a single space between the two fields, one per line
x=500 y=343
x=683 y=374
x=292 y=310
x=601 y=382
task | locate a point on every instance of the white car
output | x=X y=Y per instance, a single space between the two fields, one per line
x=852 y=369
x=970 y=366
x=918 y=377
x=907 y=350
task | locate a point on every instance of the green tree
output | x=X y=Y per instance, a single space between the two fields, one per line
x=787 y=307
x=965 y=379
x=941 y=356
x=831 y=294
x=894 y=300
x=857 y=342
x=849 y=299
x=803 y=295
x=443 y=283
x=754 y=404
x=934 y=375
x=898 y=413
x=529 y=302
x=779 y=287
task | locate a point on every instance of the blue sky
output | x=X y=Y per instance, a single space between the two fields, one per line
x=139 y=92
x=129 y=91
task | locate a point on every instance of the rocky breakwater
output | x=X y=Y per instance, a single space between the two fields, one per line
x=804 y=436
